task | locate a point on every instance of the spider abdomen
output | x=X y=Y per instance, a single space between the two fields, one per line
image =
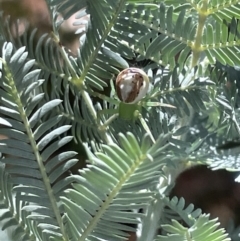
x=132 y=85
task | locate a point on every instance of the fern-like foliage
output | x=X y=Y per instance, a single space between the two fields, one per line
x=15 y=212
x=29 y=145
x=177 y=31
x=125 y=176
x=199 y=225
x=49 y=97
x=175 y=209
x=196 y=232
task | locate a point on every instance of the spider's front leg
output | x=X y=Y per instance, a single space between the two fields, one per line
x=144 y=124
x=132 y=112
x=102 y=121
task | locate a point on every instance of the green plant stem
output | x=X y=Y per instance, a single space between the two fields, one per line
x=79 y=81
x=104 y=36
x=86 y=97
x=93 y=112
x=197 y=46
x=110 y=197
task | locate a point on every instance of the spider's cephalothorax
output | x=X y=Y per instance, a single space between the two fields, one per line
x=132 y=85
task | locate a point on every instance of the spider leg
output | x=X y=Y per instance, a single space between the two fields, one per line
x=152 y=104
x=110 y=119
x=144 y=124
x=101 y=117
x=104 y=97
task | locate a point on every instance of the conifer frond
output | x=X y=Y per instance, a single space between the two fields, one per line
x=182 y=89
x=175 y=209
x=122 y=167
x=224 y=10
x=202 y=229
x=12 y=211
x=30 y=144
x=83 y=127
x=128 y=172
x=225 y=160
x=170 y=36
x=46 y=92
x=221 y=42
x=91 y=60
x=173 y=37
x=46 y=52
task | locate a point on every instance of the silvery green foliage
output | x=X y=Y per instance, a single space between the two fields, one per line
x=48 y=99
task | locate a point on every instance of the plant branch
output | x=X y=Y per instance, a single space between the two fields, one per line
x=197 y=45
x=30 y=134
x=222 y=6
x=97 y=48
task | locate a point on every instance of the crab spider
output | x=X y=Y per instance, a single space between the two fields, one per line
x=131 y=86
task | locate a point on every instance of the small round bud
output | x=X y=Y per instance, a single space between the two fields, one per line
x=132 y=85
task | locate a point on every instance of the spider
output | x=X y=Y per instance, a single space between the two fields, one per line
x=132 y=85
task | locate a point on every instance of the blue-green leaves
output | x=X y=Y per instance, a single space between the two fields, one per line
x=202 y=229
x=170 y=36
x=29 y=145
x=221 y=42
x=119 y=180
x=198 y=226
x=175 y=26
x=103 y=17
x=46 y=92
